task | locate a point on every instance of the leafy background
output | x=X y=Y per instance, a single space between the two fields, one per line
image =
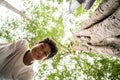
x=51 y=18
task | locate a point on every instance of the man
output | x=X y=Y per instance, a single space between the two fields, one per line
x=16 y=58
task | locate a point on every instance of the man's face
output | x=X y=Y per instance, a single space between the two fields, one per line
x=41 y=51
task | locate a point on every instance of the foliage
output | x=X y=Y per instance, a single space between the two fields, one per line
x=80 y=11
x=80 y=66
x=67 y=64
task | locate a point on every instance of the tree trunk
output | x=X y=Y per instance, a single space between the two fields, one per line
x=9 y=6
x=101 y=33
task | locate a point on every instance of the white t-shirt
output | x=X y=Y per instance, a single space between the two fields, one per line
x=11 y=62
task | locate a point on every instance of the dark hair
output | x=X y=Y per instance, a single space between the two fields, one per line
x=53 y=46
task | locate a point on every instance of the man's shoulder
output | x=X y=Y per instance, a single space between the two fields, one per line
x=22 y=41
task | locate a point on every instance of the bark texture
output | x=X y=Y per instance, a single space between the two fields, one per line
x=101 y=33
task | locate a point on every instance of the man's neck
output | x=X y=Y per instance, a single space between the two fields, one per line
x=27 y=58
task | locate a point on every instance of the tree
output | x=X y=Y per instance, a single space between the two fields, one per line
x=101 y=32
x=9 y=6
